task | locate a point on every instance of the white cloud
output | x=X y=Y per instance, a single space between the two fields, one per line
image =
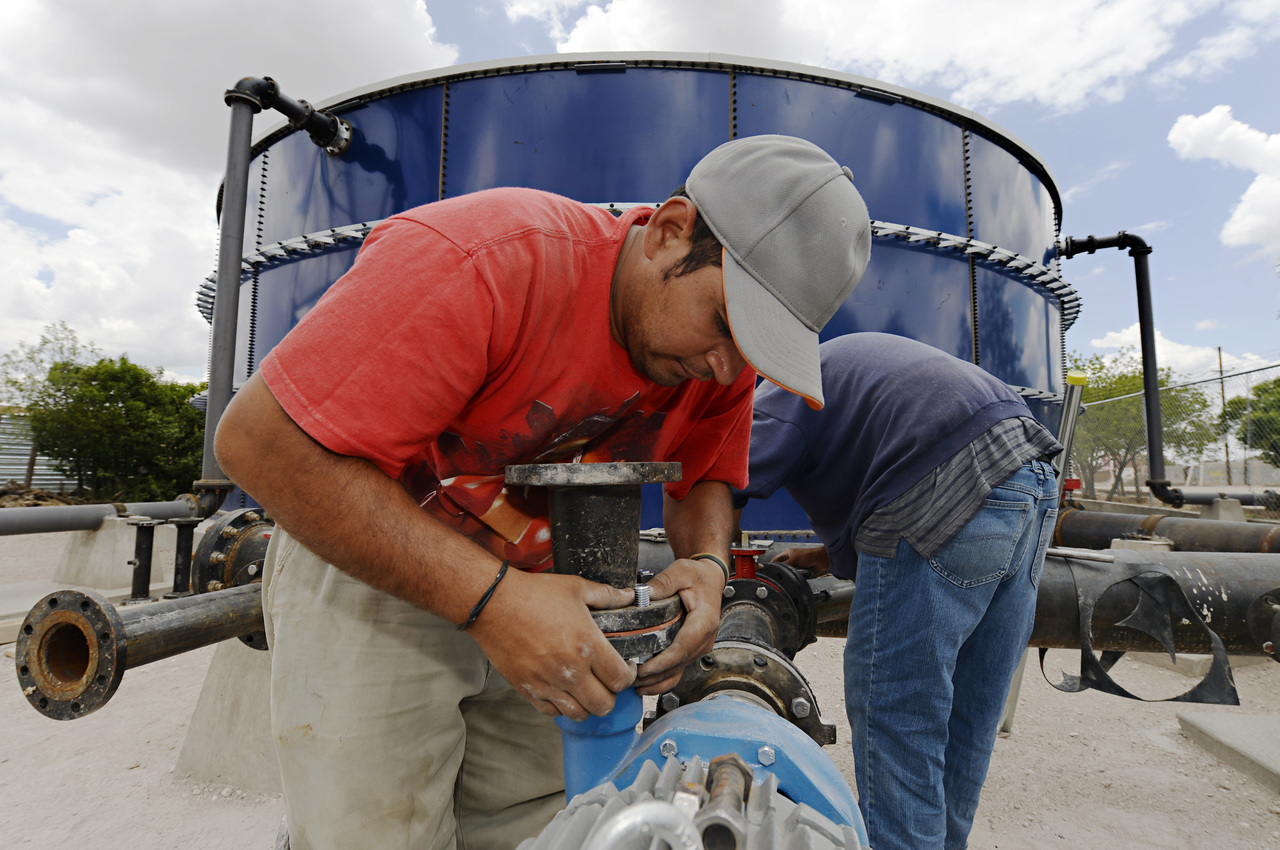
x=1208 y=324
x=1186 y=361
x=988 y=53
x=1218 y=136
x=1109 y=172
x=115 y=137
x=1249 y=25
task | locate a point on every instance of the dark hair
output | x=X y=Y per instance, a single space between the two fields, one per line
x=704 y=248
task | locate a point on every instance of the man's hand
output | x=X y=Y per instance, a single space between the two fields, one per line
x=811 y=558
x=700 y=585
x=538 y=633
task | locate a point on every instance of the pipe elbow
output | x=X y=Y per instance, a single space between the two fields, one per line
x=259 y=92
x=1171 y=496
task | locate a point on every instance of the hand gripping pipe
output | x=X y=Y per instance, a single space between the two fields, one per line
x=1138 y=249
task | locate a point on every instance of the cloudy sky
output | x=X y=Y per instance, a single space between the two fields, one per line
x=1159 y=117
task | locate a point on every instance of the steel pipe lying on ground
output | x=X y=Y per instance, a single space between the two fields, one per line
x=75 y=646
x=1080 y=529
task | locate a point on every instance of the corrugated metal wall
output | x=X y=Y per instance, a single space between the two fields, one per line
x=15 y=457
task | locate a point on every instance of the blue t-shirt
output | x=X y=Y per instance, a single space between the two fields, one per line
x=896 y=410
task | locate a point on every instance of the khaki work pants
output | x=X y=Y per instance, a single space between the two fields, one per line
x=391 y=727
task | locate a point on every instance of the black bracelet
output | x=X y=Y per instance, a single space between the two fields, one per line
x=719 y=562
x=484 y=600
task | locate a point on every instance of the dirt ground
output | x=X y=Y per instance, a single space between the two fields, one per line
x=1080 y=770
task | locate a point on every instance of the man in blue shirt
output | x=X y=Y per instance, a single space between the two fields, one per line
x=927 y=478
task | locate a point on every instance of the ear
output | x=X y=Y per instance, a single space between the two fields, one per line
x=670 y=223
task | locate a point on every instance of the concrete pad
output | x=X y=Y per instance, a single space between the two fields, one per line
x=229 y=739
x=100 y=558
x=1229 y=510
x=1248 y=742
x=1153 y=543
x=17 y=599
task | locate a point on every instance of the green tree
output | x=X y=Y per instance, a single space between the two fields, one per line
x=23 y=370
x=116 y=428
x=1256 y=419
x=1114 y=434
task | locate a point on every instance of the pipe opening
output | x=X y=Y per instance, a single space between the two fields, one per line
x=717 y=836
x=64 y=655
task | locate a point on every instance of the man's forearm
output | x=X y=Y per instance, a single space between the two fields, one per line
x=346 y=510
x=701 y=522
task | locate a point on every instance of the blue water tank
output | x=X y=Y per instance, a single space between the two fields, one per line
x=965 y=216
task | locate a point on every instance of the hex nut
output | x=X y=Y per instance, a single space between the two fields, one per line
x=669 y=701
x=762 y=592
x=729 y=592
x=668 y=748
x=766 y=755
x=800 y=707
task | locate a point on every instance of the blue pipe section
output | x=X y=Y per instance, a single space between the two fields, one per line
x=595 y=748
x=608 y=749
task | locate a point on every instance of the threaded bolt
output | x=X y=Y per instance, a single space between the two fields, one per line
x=642 y=596
x=668 y=748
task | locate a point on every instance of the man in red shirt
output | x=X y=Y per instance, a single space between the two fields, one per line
x=509 y=327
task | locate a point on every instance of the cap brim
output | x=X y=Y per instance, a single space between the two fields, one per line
x=772 y=340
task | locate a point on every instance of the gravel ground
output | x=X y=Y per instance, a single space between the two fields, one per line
x=1080 y=770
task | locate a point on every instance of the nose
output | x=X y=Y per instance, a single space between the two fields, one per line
x=726 y=363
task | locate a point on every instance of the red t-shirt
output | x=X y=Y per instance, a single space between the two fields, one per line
x=473 y=333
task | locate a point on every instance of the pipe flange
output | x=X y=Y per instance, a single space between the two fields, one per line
x=744 y=668
x=231 y=554
x=592 y=474
x=1264 y=622
x=641 y=633
x=786 y=596
x=63 y=667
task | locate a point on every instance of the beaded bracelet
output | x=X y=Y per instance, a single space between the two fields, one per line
x=484 y=600
x=719 y=562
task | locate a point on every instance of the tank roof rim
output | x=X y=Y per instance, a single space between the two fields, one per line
x=386 y=87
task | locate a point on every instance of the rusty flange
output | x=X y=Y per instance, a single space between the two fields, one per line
x=641 y=633
x=64 y=668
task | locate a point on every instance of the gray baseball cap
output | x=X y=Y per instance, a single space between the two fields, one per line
x=796 y=239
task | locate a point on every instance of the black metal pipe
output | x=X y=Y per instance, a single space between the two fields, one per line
x=143 y=546
x=226 y=307
x=1082 y=529
x=1268 y=499
x=747 y=622
x=74 y=646
x=1139 y=250
x=1224 y=588
x=1221 y=587
x=186 y=529
x=326 y=130
x=47 y=518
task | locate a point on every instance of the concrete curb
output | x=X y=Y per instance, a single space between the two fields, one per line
x=1248 y=742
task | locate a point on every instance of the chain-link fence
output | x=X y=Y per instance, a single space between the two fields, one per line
x=1219 y=433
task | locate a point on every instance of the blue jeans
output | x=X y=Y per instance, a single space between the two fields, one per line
x=933 y=645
